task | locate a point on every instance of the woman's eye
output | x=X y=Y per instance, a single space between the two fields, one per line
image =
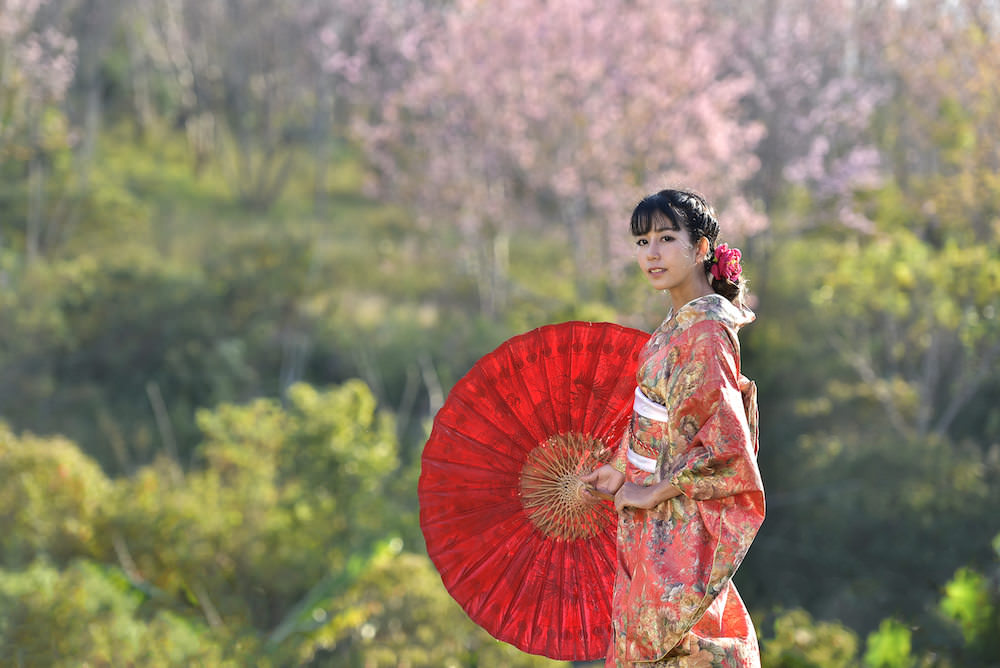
x=641 y=242
x=666 y=237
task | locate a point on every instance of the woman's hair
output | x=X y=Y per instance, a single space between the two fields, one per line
x=691 y=211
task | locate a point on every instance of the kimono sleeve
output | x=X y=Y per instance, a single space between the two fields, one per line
x=713 y=416
x=618 y=461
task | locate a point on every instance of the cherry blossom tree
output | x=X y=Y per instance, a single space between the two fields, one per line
x=559 y=115
x=367 y=49
x=363 y=50
x=244 y=93
x=286 y=80
x=819 y=75
x=37 y=63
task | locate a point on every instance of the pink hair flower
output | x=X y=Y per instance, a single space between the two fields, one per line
x=726 y=263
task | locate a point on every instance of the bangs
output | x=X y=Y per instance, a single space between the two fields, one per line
x=652 y=214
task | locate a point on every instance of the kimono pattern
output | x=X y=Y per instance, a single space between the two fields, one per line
x=674 y=603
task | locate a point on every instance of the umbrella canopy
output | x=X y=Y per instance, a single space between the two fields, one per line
x=527 y=556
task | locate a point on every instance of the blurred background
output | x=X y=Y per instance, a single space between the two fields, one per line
x=247 y=247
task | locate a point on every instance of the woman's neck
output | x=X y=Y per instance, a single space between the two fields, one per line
x=679 y=297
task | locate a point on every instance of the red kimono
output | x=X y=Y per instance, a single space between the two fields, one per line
x=674 y=602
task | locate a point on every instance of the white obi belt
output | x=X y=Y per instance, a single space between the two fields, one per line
x=647 y=408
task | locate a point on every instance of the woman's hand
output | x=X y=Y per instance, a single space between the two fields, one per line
x=631 y=495
x=606 y=479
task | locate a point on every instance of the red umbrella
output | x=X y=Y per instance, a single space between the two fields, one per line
x=527 y=556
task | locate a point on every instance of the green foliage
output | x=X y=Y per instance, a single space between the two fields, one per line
x=401 y=618
x=285 y=497
x=212 y=305
x=133 y=317
x=967 y=601
x=156 y=169
x=890 y=646
x=50 y=500
x=89 y=615
x=60 y=202
x=800 y=642
x=926 y=320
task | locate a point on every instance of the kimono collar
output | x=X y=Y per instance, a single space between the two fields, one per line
x=713 y=307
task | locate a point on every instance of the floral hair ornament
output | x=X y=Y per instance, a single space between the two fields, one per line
x=726 y=263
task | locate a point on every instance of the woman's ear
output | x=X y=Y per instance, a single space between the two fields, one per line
x=703 y=249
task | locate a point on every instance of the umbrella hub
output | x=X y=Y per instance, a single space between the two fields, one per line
x=551 y=490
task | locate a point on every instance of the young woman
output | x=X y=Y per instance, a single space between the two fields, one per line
x=685 y=478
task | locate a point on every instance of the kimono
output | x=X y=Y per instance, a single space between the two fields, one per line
x=674 y=602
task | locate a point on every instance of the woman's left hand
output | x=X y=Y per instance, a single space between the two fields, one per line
x=631 y=495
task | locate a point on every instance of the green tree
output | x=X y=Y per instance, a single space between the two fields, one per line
x=50 y=500
x=890 y=646
x=91 y=615
x=119 y=347
x=971 y=601
x=249 y=532
x=917 y=323
x=800 y=642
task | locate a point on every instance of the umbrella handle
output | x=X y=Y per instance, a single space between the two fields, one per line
x=596 y=492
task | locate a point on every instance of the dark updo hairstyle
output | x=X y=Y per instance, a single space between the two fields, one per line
x=689 y=210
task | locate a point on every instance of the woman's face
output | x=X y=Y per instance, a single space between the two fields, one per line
x=667 y=257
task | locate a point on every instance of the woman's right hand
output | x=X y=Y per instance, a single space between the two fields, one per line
x=607 y=479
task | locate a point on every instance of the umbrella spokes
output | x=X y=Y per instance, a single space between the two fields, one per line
x=553 y=494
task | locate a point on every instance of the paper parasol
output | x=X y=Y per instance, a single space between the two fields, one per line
x=527 y=556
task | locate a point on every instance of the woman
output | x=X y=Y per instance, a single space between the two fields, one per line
x=685 y=479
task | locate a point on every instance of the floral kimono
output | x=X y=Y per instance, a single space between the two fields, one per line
x=674 y=602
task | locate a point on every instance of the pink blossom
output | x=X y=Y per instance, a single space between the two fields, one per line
x=726 y=263
x=560 y=115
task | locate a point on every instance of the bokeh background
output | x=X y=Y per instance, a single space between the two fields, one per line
x=247 y=246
